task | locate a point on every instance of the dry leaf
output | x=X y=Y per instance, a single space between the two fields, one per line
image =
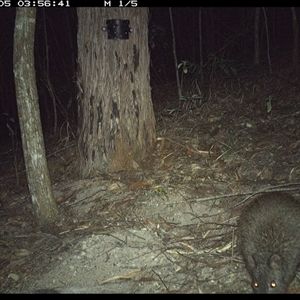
x=21 y=252
x=126 y=276
x=140 y=185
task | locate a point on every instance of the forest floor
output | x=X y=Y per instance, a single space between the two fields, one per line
x=169 y=226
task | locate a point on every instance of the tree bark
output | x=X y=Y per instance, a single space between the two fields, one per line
x=116 y=118
x=175 y=57
x=44 y=206
x=296 y=41
x=256 y=37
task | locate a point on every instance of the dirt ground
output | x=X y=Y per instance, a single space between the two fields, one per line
x=169 y=226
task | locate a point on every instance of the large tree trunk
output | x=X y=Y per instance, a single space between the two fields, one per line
x=116 y=118
x=38 y=179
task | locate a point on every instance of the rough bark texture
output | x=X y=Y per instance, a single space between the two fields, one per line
x=116 y=118
x=39 y=184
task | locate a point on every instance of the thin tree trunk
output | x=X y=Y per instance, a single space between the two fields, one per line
x=256 y=37
x=201 y=45
x=296 y=41
x=38 y=179
x=268 y=40
x=175 y=57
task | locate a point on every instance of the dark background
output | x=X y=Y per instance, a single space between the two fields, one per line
x=227 y=33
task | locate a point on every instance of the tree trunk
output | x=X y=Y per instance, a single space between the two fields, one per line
x=39 y=184
x=268 y=40
x=175 y=58
x=116 y=118
x=296 y=41
x=256 y=37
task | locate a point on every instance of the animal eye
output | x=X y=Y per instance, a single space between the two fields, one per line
x=273 y=284
x=255 y=284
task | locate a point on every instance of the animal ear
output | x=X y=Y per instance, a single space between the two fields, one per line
x=251 y=261
x=275 y=262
